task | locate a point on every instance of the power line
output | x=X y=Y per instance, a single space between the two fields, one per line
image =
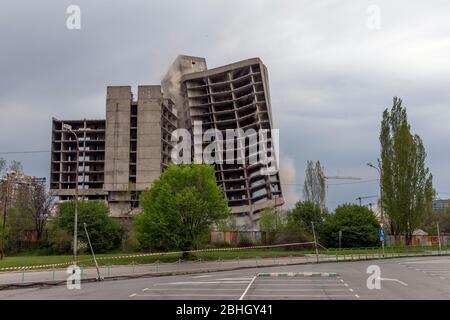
x=333 y=184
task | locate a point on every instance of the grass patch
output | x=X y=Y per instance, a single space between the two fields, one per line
x=107 y=260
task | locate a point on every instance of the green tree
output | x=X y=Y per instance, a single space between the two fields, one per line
x=271 y=224
x=306 y=212
x=105 y=232
x=437 y=216
x=358 y=224
x=180 y=208
x=406 y=182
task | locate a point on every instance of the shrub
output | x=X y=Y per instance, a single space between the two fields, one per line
x=358 y=224
x=105 y=233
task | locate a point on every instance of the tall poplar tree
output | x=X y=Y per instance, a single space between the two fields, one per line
x=406 y=182
x=314 y=186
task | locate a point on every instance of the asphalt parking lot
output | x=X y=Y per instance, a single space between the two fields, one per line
x=399 y=278
x=234 y=286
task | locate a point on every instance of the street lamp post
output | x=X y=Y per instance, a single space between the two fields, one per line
x=68 y=128
x=381 y=200
x=5 y=207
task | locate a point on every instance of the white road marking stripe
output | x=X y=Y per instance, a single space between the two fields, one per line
x=202 y=283
x=310 y=289
x=185 y=295
x=195 y=289
x=395 y=280
x=231 y=279
x=132 y=295
x=302 y=295
x=304 y=285
x=248 y=287
x=427 y=262
x=204 y=276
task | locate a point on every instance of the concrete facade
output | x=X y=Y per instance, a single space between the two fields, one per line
x=125 y=153
x=235 y=96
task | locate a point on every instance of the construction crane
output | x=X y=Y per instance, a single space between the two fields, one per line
x=326 y=178
x=365 y=197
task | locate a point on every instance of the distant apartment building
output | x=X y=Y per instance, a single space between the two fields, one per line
x=441 y=204
x=122 y=155
x=118 y=157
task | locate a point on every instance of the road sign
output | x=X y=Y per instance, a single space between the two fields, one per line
x=381 y=234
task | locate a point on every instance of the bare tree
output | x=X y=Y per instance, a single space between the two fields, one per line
x=35 y=199
x=7 y=187
x=314 y=186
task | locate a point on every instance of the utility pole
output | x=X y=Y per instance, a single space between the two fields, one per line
x=315 y=241
x=92 y=251
x=5 y=207
x=68 y=128
x=381 y=202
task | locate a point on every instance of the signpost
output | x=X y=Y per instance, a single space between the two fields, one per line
x=382 y=237
x=340 y=237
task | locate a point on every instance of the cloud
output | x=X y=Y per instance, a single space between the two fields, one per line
x=330 y=76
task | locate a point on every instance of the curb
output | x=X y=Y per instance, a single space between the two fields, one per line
x=298 y=274
x=140 y=275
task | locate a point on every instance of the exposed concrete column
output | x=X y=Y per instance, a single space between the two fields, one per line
x=117 y=136
x=149 y=144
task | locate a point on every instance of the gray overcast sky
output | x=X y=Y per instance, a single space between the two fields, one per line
x=331 y=76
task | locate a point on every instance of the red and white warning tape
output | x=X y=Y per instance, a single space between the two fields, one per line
x=157 y=254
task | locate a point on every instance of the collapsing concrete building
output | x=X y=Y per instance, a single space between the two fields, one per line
x=122 y=155
x=231 y=97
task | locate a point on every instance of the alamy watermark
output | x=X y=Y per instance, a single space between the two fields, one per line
x=373 y=21
x=73 y=21
x=231 y=146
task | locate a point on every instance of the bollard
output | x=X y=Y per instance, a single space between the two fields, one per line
x=157 y=265
x=109 y=270
x=133 y=265
x=53 y=274
x=23 y=276
x=290 y=259
x=352 y=256
x=257 y=260
x=238 y=261
x=82 y=272
x=344 y=257
x=178 y=264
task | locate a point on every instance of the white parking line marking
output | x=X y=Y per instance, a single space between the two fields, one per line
x=310 y=289
x=306 y=284
x=302 y=295
x=231 y=279
x=248 y=287
x=201 y=283
x=395 y=280
x=185 y=295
